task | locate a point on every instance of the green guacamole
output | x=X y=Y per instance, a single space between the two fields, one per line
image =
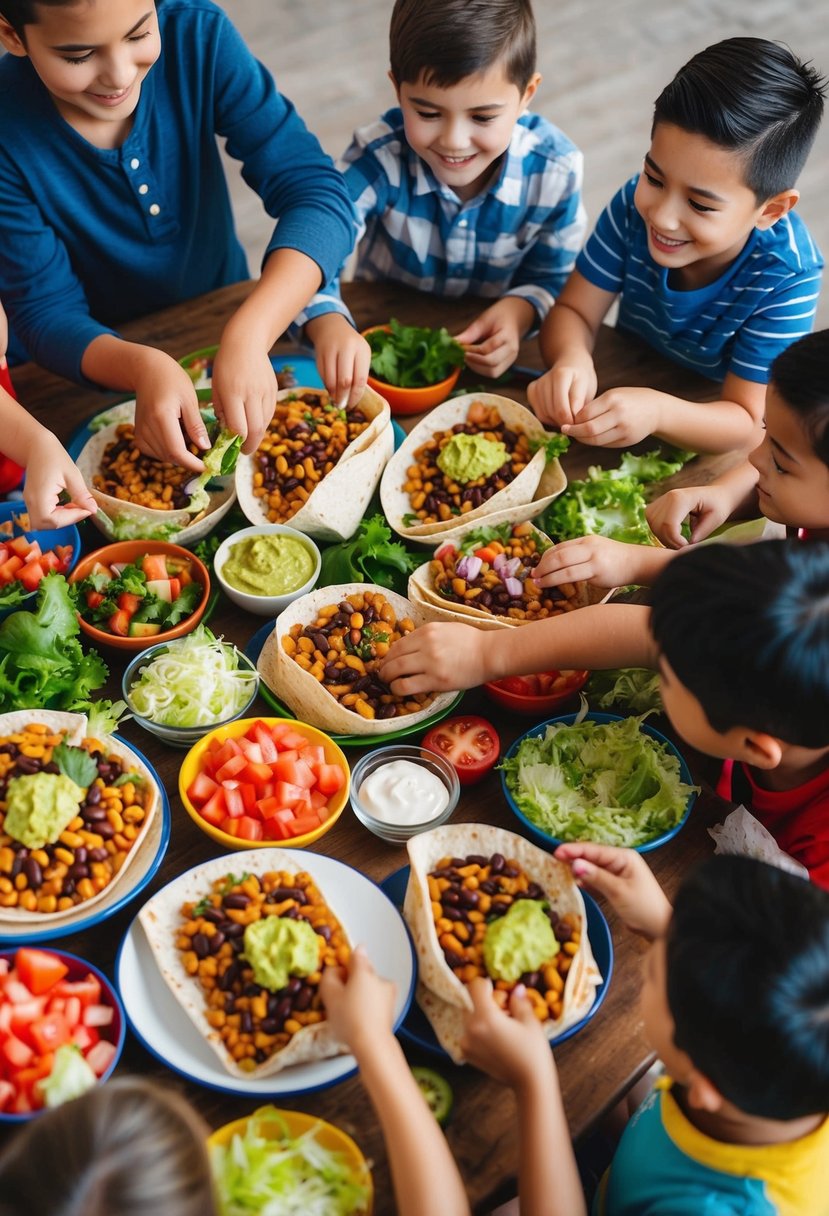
x=522 y=940
x=39 y=806
x=278 y=948
x=468 y=457
x=268 y=565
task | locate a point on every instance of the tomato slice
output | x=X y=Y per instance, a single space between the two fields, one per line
x=469 y=743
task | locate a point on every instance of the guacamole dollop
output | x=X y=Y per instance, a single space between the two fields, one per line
x=468 y=457
x=39 y=806
x=521 y=940
x=278 y=948
x=268 y=565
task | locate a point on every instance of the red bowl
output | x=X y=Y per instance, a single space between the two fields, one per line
x=560 y=688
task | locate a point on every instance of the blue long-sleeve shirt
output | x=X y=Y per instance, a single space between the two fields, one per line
x=91 y=237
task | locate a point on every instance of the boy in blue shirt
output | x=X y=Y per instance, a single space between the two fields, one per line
x=711 y=265
x=113 y=201
x=458 y=191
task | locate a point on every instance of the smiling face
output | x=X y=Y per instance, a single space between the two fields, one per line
x=92 y=57
x=463 y=130
x=697 y=209
x=793 y=488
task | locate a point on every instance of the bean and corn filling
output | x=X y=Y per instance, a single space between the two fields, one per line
x=467 y=894
x=128 y=474
x=343 y=648
x=434 y=496
x=306 y=437
x=95 y=844
x=253 y=1022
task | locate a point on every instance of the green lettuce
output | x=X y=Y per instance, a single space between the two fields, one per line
x=413 y=356
x=371 y=556
x=70 y=1077
x=636 y=688
x=218 y=462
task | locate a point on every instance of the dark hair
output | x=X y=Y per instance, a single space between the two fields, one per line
x=800 y=374
x=746 y=629
x=20 y=13
x=444 y=41
x=748 y=985
x=754 y=97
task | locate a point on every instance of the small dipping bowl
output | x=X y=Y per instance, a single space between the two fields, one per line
x=394 y=833
x=264 y=604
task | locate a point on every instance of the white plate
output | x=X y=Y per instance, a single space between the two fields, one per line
x=159 y=1022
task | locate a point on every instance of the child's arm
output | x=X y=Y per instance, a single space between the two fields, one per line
x=624 y=878
x=513 y=1049
x=444 y=655
x=359 y=1010
x=49 y=470
x=602 y=562
x=733 y=495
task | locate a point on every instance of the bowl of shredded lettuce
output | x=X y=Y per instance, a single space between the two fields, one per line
x=600 y=777
x=288 y=1162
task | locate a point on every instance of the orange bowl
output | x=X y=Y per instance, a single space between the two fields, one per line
x=411 y=400
x=130 y=551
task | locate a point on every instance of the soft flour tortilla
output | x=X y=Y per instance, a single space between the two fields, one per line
x=146 y=520
x=75 y=726
x=334 y=509
x=530 y=492
x=305 y=695
x=442 y=996
x=161 y=920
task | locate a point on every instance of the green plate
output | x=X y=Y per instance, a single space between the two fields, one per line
x=253 y=651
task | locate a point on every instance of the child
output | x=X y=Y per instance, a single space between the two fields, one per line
x=786 y=479
x=734 y=1003
x=458 y=191
x=712 y=267
x=113 y=201
x=740 y=636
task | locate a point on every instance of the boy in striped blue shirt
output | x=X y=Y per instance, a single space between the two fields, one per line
x=458 y=191
x=711 y=264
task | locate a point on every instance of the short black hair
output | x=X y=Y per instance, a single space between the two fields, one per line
x=20 y=13
x=444 y=41
x=800 y=374
x=755 y=98
x=746 y=629
x=748 y=985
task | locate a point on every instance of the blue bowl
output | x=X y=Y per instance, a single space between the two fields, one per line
x=47 y=538
x=552 y=842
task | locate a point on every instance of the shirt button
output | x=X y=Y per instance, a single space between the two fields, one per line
x=135 y=162
x=462 y=223
x=154 y=209
x=143 y=188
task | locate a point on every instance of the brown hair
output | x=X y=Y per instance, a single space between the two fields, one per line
x=444 y=41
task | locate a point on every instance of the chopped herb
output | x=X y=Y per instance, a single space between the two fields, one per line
x=413 y=356
x=76 y=764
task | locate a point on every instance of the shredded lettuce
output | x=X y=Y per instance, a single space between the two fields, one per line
x=285 y=1176
x=608 y=782
x=70 y=1077
x=196 y=681
x=636 y=688
x=218 y=462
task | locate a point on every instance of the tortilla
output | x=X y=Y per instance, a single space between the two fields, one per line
x=334 y=509
x=75 y=726
x=526 y=496
x=145 y=521
x=305 y=695
x=161 y=919
x=441 y=995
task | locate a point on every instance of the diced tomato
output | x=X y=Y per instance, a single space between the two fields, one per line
x=225 y=750
x=6 y=1093
x=266 y=742
x=306 y=823
x=295 y=772
x=486 y=554
x=248 y=828
x=33 y=553
x=98 y=1015
x=252 y=750
x=22 y=1015
x=288 y=794
x=21 y=546
x=128 y=602
x=215 y=809
x=234 y=802
x=87 y=989
x=50 y=1032
x=291 y=738
x=85 y=1037
x=248 y=792
x=313 y=753
x=119 y=623
x=521 y=686
x=268 y=808
x=22 y=1104
x=30 y=575
x=231 y=767
x=72 y=1011
x=15 y=1052
x=318 y=800
x=4 y=554
x=154 y=566
x=94 y=599
x=15 y=991
x=277 y=829
x=259 y=774
x=201 y=788
x=330 y=778
x=50 y=561
x=101 y=1056
x=447 y=550
x=64 y=556
x=9 y=569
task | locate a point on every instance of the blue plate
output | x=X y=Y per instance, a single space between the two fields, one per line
x=551 y=842
x=140 y=873
x=416 y=1029
x=253 y=651
x=47 y=538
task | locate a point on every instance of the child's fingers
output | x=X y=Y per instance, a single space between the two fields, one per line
x=520 y=1007
x=605 y=856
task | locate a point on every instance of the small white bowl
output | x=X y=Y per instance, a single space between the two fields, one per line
x=264 y=605
x=439 y=766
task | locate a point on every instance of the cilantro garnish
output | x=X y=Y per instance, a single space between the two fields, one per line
x=76 y=764
x=413 y=356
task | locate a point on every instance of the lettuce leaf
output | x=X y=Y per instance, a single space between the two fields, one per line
x=371 y=556
x=413 y=356
x=219 y=461
x=635 y=688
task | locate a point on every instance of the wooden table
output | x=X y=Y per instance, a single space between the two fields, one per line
x=603 y=1060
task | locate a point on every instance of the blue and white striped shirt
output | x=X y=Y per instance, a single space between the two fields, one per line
x=764 y=301
x=519 y=237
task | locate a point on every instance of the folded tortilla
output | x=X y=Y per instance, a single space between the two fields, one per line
x=305 y=695
x=529 y=493
x=76 y=729
x=161 y=920
x=334 y=509
x=441 y=995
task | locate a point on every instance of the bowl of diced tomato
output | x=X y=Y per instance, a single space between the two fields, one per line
x=536 y=694
x=135 y=593
x=265 y=781
x=62 y=1029
x=28 y=554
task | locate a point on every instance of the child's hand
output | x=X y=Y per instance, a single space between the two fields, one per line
x=704 y=506
x=343 y=357
x=50 y=473
x=435 y=658
x=359 y=1005
x=624 y=878
x=558 y=395
x=244 y=389
x=616 y=419
x=508 y=1047
x=592 y=559
x=493 y=338
x=164 y=399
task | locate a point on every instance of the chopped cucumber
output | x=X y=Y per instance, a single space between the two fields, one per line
x=436 y=1090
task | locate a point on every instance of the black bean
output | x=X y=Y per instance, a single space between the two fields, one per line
x=17 y=865
x=304 y=998
x=68 y=886
x=81 y=853
x=237 y=944
x=510 y=871
x=237 y=900
x=530 y=979
x=283 y=1009
x=324 y=931
x=469 y=899
x=477 y=859
x=451 y=897
x=51 y=767
x=8 y=749
x=288 y=893
x=233 y=930
x=105 y=830
x=269 y=1026
x=293 y=986
x=452 y=914
x=453 y=959
x=214 y=915
x=563 y=932
x=246 y=1022
x=496 y=863
x=99 y=854
x=216 y=941
x=28 y=764
x=387 y=711
x=33 y=872
x=534 y=891
x=78 y=871
x=201 y=945
x=93 y=814
x=489 y=887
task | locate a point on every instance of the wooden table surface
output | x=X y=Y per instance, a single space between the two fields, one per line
x=605 y=1058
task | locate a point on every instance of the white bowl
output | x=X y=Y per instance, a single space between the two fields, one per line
x=264 y=605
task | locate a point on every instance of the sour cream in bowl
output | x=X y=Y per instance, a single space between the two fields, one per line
x=401 y=790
